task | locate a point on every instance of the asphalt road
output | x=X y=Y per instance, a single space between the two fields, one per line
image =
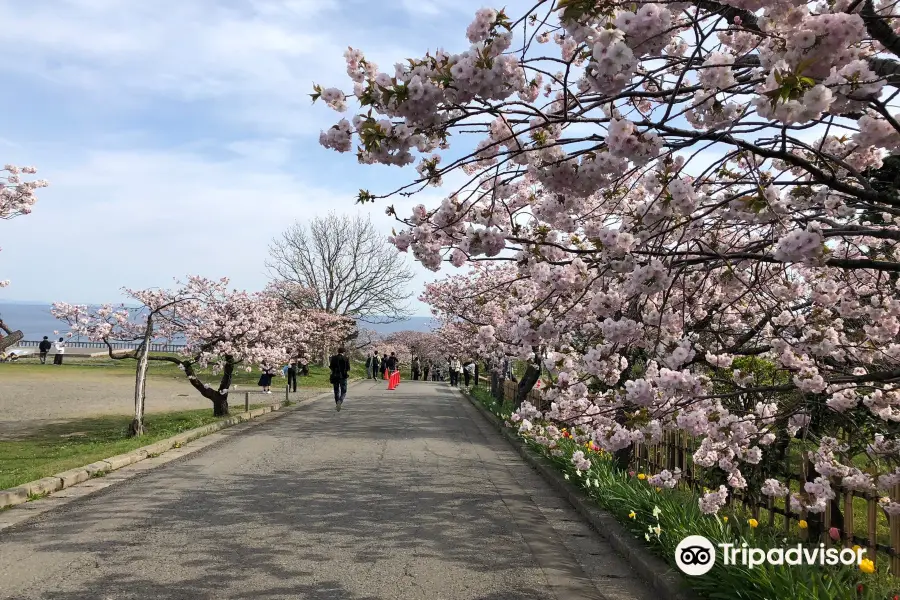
x=402 y=495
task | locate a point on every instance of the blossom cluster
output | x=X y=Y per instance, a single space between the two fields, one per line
x=692 y=229
x=17 y=195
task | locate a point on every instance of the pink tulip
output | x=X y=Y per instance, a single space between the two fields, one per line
x=834 y=533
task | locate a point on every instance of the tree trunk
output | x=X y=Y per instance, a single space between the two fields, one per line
x=220 y=405
x=220 y=401
x=219 y=397
x=140 y=383
x=532 y=374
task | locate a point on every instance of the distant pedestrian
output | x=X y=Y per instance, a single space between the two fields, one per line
x=60 y=350
x=292 y=375
x=369 y=367
x=384 y=364
x=416 y=368
x=265 y=380
x=425 y=370
x=455 y=367
x=303 y=365
x=340 y=371
x=393 y=362
x=44 y=348
x=375 y=365
x=469 y=371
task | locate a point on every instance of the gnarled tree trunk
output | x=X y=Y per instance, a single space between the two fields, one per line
x=532 y=374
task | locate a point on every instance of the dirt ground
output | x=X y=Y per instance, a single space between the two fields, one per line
x=30 y=400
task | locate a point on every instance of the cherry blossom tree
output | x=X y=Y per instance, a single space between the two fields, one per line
x=424 y=344
x=223 y=329
x=124 y=324
x=17 y=196
x=678 y=190
x=322 y=330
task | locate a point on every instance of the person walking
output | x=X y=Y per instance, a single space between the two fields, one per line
x=369 y=366
x=292 y=375
x=416 y=368
x=455 y=368
x=425 y=370
x=265 y=380
x=376 y=364
x=340 y=371
x=44 y=348
x=469 y=371
x=393 y=362
x=60 y=350
x=384 y=364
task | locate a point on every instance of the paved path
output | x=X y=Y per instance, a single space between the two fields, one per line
x=403 y=495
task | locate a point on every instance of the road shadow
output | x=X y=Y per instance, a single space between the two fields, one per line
x=386 y=499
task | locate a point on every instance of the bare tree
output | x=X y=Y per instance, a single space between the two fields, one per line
x=349 y=264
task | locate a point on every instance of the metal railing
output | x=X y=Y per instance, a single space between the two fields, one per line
x=115 y=345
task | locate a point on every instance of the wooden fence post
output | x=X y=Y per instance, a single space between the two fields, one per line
x=894 y=520
x=246 y=401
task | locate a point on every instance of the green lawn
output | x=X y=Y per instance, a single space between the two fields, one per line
x=60 y=447
x=318 y=376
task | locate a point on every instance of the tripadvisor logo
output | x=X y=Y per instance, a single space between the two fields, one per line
x=695 y=555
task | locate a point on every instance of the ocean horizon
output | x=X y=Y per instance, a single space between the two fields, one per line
x=35 y=321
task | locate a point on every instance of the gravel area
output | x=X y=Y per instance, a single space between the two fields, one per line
x=28 y=401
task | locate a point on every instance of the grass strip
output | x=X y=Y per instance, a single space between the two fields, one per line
x=663 y=517
x=59 y=447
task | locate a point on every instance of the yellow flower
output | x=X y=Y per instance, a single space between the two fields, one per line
x=857 y=548
x=631 y=515
x=725 y=519
x=802 y=524
x=658 y=489
x=753 y=523
x=641 y=476
x=867 y=566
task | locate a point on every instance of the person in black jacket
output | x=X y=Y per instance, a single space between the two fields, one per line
x=292 y=374
x=340 y=371
x=376 y=365
x=393 y=363
x=44 y=348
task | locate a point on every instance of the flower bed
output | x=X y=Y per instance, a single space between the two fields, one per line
x=662 y=515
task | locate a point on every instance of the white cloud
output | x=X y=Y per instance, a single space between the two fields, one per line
x=192 y=115
x=253 y=62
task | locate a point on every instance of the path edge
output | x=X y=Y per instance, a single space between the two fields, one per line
x=665 y=580
x=40 y=488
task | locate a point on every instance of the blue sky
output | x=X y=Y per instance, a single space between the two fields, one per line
x=178 y=137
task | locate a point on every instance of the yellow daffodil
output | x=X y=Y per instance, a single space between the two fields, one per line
x=857 y=548
x=753 y=523
x=725 y=519
x=632 y=515
x=867 y=566
x=641 y=476
x=802 y=524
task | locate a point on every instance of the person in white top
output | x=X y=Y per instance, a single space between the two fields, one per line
x=60 y=350
x=455 y=370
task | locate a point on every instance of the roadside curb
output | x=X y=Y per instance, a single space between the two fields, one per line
x=666 y=581
x=48 y=485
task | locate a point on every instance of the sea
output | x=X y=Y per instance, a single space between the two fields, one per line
x=35 y=321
